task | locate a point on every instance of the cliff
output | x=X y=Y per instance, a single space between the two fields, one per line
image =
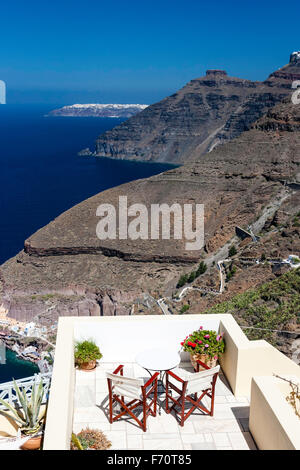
x=65 y=269
x=203 y=114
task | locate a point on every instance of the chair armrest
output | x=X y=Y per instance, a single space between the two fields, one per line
x=119 y=369
x=201 y=364
x=169 y=372
x=152 y=379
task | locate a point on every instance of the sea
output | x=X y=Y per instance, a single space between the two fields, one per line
x=42 y=176
x=15 y=368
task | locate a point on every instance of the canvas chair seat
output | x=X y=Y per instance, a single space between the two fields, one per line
x=126 y=386
x=183 y=387
x=138 y=393
x=197 y=381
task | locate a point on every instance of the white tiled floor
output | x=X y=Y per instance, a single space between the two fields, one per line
x=227 y=429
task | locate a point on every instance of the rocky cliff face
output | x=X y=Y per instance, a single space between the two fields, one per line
x=203 y=114
x=65 y=269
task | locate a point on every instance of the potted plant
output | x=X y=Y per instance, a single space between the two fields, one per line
x=27 y=413
x=90 y=439
x=205 y=346
x=86 y=355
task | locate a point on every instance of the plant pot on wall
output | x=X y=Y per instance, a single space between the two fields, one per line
x=88 y=366
x=209 y=361
x=28 y=412
x=86 y=354
x=205 y=346
x=34 y=443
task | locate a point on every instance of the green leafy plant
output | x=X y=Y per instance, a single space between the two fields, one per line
x=26 y=411
x=201 y=269
x=49 y=359
x=192 y=276
x=207 y=342
x=272 y=306
x=184 y=308
x=232 y=251
x=182 y=280
x=188 y=278
x=231 y=273
x=86 y=351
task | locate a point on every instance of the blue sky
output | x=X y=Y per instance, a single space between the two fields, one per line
x=119 y=51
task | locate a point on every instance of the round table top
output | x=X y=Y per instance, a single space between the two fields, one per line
x=158 y=359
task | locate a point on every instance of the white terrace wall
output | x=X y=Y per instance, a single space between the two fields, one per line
x=121 y=338
x=245 y=359
x=59 y=418
x=273 y=422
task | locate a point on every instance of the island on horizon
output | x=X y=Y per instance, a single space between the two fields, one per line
x=99 y=110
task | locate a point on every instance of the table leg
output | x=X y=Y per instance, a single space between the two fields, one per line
x=162 y=390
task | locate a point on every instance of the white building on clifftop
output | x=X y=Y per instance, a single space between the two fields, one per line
x=295 y=56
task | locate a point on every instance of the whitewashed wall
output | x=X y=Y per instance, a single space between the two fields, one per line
x=122 y=340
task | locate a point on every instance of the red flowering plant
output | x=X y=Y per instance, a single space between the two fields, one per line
x=207 y=342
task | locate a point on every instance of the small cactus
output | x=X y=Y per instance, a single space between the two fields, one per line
x=76 y=442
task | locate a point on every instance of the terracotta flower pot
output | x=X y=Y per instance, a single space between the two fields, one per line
x=32 y=444
x=87 y=366
x=209 y=361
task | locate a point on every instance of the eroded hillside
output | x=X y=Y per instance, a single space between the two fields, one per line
x=65 y=269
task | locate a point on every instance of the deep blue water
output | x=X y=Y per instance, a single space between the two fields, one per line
x=16 y=368
x=41 y=175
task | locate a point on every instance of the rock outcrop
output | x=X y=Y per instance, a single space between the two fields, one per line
x=208 y=111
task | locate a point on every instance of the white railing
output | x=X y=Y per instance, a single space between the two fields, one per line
x=8 y=392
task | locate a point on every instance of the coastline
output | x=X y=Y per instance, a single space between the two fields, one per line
x=82 y=153
x=16 y=368
x=33 y=350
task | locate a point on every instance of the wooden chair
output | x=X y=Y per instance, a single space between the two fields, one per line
x=187 y=386
x=136 y=391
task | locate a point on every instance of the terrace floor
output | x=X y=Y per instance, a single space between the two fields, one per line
x=226 y=430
